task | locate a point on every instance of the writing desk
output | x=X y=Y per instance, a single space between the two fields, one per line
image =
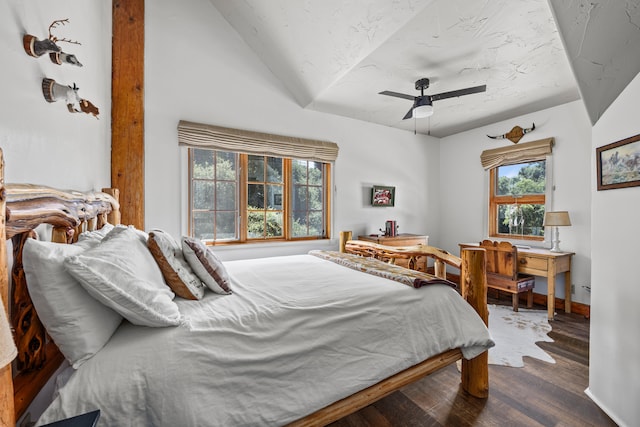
x=544 y=263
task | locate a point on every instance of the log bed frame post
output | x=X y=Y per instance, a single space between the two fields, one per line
x=475 y=372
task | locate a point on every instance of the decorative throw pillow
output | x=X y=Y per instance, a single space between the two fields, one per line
x=206 y=265
x=78 y=323
x=175 y=269
x=121 y=273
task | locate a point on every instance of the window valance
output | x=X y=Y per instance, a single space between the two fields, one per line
x=520 y=153
x=198 y=135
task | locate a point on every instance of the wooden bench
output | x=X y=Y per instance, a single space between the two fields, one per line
x=502 y=271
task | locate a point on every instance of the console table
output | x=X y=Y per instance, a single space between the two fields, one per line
x=402 y=239
x=544 y=263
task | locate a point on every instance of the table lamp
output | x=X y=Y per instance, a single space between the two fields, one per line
x=556 y=219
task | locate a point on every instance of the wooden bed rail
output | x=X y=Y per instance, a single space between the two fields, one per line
x=390 y=254
x=22 y=209
x=28 y=206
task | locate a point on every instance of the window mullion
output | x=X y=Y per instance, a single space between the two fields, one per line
x=524 y=199
x=286 y=200
x=244 y=188
x=327 y=200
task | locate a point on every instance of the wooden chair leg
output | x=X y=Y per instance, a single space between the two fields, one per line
x=530 y=298
x=514 y=301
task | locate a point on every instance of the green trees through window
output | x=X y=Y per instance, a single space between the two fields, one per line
x=214 y=191
x=307 y=199
x=518 y=199
x=281 y=198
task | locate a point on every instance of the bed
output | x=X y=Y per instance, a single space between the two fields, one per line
x=301 y=340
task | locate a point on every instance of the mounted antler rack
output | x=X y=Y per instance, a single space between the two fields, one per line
x=36 y=48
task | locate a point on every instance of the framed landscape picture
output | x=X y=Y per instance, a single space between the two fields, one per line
x=382 y=195
x=618 y=164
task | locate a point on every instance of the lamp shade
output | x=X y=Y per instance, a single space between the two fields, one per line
x=555 y=219
x=8 y=349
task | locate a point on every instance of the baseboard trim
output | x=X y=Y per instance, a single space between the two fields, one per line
x=604 y=408
x=576 y=307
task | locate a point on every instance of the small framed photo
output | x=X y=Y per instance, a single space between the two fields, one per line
x=382 y=195
x=618 y=164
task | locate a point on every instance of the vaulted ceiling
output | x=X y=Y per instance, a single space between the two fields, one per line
x=335 y=56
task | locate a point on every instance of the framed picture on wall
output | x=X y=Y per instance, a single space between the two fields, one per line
x=618 y=164
x=382 y=195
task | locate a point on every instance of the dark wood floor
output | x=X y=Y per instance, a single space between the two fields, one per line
x=540 y=394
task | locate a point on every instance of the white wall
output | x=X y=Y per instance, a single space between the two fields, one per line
x=464 y=185
x=42 y=142
x=614 y=363
x=198 y=69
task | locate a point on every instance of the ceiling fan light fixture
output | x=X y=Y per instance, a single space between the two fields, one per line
x=423 y=104
x=423 y=108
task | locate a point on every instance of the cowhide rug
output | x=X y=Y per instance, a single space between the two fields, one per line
x=515 y=335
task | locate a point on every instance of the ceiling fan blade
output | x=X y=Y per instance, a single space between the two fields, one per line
x=460 y=92
x=397 y=95
x=409 y=114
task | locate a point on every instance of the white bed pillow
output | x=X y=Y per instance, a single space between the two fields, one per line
x=175 y=269
x=206 y=265
x=96 y=235
x=142 y=235
x=78 y=323
x=121 y=273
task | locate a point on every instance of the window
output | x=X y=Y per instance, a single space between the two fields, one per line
x=214 y=195
x=308 y=193
x=253 y=186
x=517 y=200
x=246 y=197
x=518 y=180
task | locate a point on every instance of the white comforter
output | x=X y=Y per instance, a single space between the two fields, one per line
x=298 y=333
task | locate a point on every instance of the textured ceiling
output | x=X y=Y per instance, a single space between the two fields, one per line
x=334 y=56
x=602 y=38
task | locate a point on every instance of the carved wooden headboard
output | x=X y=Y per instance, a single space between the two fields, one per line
x=22 y=209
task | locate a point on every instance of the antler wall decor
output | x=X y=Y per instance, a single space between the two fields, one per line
x=54 y=91
x=36 y=48
x=515 y=134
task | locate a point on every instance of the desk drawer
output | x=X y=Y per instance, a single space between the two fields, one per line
x=532 y=265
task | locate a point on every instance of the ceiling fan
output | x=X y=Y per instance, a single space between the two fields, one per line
x=423 y=104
